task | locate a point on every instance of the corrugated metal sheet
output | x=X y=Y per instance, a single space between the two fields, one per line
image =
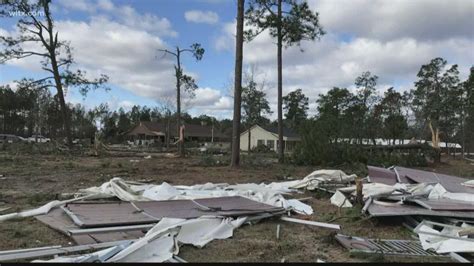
x=126 y=213
x=59 y=221
x=444 y=204
x=382 y=175
x=449 y=182
x=377 y=210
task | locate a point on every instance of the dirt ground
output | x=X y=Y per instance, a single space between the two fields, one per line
x=28 y=181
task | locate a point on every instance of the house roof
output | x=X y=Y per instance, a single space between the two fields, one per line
x=191 y=130
x=289 y=133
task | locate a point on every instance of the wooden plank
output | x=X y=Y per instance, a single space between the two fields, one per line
x=319 y=224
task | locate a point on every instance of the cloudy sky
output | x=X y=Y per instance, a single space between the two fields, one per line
x=120 y=38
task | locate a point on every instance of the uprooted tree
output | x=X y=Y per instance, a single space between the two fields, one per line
x=37 y=28
x=290 y=21
x=187 y=81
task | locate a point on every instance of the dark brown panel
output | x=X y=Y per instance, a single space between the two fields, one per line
x=125 y=213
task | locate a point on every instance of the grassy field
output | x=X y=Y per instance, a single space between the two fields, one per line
x=27 y=181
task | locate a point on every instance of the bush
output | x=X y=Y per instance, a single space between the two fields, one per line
x=316 y=148
x=211 y=160
x=261 y=148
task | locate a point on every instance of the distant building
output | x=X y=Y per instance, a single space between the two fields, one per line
x=268 y=136
x=145 y=133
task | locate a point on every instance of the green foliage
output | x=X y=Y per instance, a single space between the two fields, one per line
x=319 y=148
x=298 y=22
x=254 y=104
x=437 y=95
x=212 y=160
x=296 y=106
x=256 y=160
x=261 y=148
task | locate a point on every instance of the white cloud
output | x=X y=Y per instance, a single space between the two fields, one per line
x=81 y=5
x=388 y=20
x=105 y=5
x=375 y=45
x=198 y=16
x=124 y=14
x=127 y=105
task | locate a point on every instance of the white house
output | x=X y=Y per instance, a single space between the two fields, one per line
x=268 y=136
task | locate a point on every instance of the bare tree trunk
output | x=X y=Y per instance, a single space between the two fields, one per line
x=57 y=78
x=178 y=102
x=239 y=43
x=280 y=85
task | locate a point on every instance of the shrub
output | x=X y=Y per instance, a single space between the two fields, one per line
x=318 y=148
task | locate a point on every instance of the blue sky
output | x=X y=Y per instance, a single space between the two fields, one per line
x=392 y=39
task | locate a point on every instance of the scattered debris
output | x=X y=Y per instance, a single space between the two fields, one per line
x=446 y=240
x=144 y=222
x=319 y=224
x=278 y=232
x=53 y=250
x=340 y=200
x=385 y=247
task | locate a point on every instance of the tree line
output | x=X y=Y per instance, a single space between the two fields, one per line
x=439 y=107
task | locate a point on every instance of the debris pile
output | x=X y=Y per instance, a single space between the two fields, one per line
x=439 y=208
x=137 y=222
x=127 y=221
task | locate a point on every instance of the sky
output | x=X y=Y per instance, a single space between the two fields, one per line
x=122 y=38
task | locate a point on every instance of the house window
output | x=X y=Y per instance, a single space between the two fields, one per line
x=271 y=144
x=260 y=142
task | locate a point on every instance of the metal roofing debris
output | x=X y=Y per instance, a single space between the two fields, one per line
x=448 y=231
x=319 y=224
x=408 y=175
x=58 y=220
x=125 y=213
x=444 y=238
x=382 y=246
x=444 y=204
x=377 y=210
x=110 y=229
x=451 y=183
x=458 y=258
x=382 y=175
x=54 y=250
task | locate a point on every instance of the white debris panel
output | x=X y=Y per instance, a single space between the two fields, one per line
x=162 y=241
x=271 y=194
x=445 y=240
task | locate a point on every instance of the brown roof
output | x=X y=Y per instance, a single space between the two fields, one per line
x=190 y=130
